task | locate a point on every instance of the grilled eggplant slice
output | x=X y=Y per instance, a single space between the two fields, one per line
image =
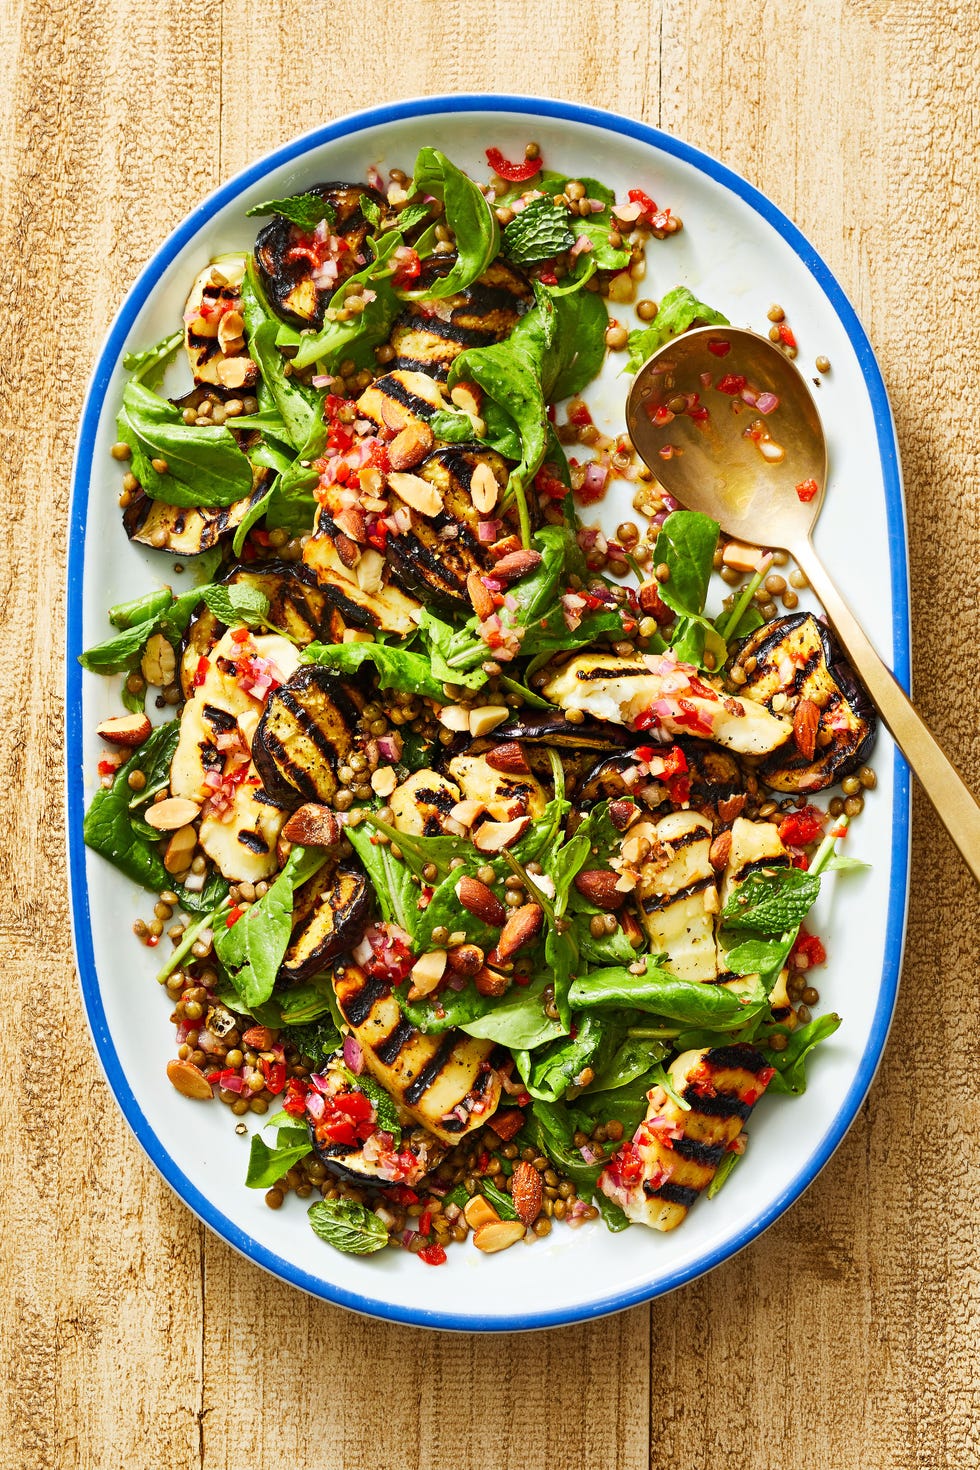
x=541 y=728
x=296 y=604
x=329 y=915
x=188 y=532
x=677 y=891
x=713 y=775
x=799 y=657
x=214 y=330
x=375 y=1157
x=307 y=729
x=428 y=337
x=676 y=1151
x=433 y=558
x=443 y=1082
x=241 y=837
x=285 y=254
x=656 y=687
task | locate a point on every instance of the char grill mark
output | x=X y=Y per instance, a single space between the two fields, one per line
x=430 y=1072
x=709 y=1155
x=358 y=1004
x=254 y=842
x=737 y=1056
x=675 y=1194
x=722 y=1105
x=657 y=902
x=400 y=1035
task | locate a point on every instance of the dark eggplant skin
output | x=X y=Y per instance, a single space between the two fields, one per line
x=484 y=313
x=714 y=774
x=296 y=604
x=307 y=728
x=848 y=723
x=539 y=727
x=288 y=283
x=344 y=1159
x=187 y=531
x=330 y=914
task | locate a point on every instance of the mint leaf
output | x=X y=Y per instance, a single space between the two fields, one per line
x=772 y=903
x=348 y=1227
x=537 y=233
x=304 y=210
x=237 y=603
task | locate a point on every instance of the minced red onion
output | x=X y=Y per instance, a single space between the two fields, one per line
x=353 y=1055
x=389 y=747
x=705 y=380
x=749 y=396
x=321 y=380
x=487 y=530
x=766 y=402
x=669 y=502
x=457 y=982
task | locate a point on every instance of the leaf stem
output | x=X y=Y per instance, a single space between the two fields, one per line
x=745 y=597
x=190 y=936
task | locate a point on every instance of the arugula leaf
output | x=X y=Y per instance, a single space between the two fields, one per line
x=396 y=668
x=358 y=336
x=791 y=1064
x=266 y=1165
x=773 y=902
x=304 y=210
x=537 y=233
x=237 y=602
x=109 y=827
x=467 y=213
x=252 y=950
x=679 y=311
x=657 y=990
x=347 y=1226
x=205 y=467
x=152 y=360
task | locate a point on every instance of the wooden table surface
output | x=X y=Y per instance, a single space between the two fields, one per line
x=847 y=1335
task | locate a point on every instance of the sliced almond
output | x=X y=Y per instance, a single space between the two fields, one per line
x=455 y=717
x=484 y=489
x=495 y=836
x=180 y=850
x=499 y=1235
x=159 y=662
x=369 y=571
x=417 y=493
x=357 y=635
x=428 y=971
x=478 y=1212
x=171 y=813
x=487 y=717
x=740 y=556
x=231 y=327
x=467 y=396
x=466 y=812
x=384 y=780
x=235 y=372
x=189 y=1080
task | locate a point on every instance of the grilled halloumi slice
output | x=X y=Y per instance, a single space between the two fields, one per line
x=244 y=845
x=504 y=795
x=443 y=1082
x=422 y=803
x=400 y=398
x=755 y=846
x=214 y=329
x=677 y=891
x=675 y=1152
x=664 y=695
x=362 y=594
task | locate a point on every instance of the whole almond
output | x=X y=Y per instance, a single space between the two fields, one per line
x=517 y=564
x=480 y=596
x=523 y=925
x=720 y=848
x=128 y=730
x=466 y=959
x=411 y=446
x=347 y=550
x=526 y=1191
x=171 y=813
x=491 y=982
x=189 y=1080
x=498 y=1236
x=352 y=522
x=806 y=719
x=312 y=825
x=622 y=812
x=598 y=886
x=481 y=901
x=508 y=758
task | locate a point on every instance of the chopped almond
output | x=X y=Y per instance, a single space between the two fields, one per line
x=487 y=717
x=484 y=489
x=417 y=493
x=495 y=836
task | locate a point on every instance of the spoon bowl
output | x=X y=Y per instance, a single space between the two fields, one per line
x=729 y=427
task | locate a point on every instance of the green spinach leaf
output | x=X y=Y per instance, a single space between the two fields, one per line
x=252 y=950
x=266 y=1165
x=679 y=311
x=467 y=213
x=110 y=828
x=205 y=467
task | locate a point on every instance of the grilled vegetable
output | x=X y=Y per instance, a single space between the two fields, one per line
x=187 y=532
x=423 y=802
x=289 y=258
x=835 y=730
x=677 y=891
x=553 y=729
x=713 y=775
x=214 y=329
x=306 y=731
x=429 y=341
x=755 y=846
x=656 y=692
x=361 y=594
x=329 y=914
x=675 y=1152
x=362 y=1135
x=400 y=398
x=440 y=1081
x=241 y=821
x=296 y=604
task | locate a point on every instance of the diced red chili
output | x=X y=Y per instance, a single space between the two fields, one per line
x=200 y=673
x=718 y=346
x=640 y=197
x=548 y=278
x=810 y=947
x=514 y=173
x=425 y=1222
x=786 y=335
x=731 y=383
x=108 y=768
x=646 y=720
x=630 y=1164
x=274 y=1074
x=409 y=270
x=801 y=828
x=807 y=490
x=432 y=1255
x=547 y=483
x=355 y=1105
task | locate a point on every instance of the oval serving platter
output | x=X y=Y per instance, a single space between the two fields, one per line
x=738 y=252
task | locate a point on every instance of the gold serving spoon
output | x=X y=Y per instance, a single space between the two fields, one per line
x=765 y=487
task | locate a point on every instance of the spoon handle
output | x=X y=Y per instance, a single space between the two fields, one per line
x=955 y=804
